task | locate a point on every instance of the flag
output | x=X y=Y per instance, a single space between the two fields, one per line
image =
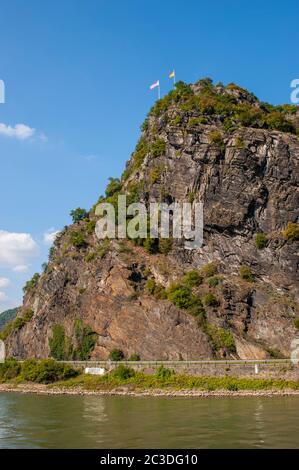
x=154 y=85
x=171 y=75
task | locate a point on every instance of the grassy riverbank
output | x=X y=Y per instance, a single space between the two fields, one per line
x=48 y=376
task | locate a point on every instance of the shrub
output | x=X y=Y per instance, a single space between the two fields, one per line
x=210 y=300
x=86 y=339
x=291 y=232
x=209 y=269
x=296 y=322
x=151 y=245
x=215 y=137
x=46 y=371
x=114 y=186
x=58 y=343
x=134 y=357
x=27 y=314
x=214 y=281
x=123 y=372
x=180 y=295
x=239 y=143
x=9 y=369
x=78 y=214
x=155 y=289
x=165 y=245
x=140 y=153
x=30 y=285
x=276 y=120
x=193 y=122
x=116 y=355
x=78 y=240
x=197 y=310
x=192 y=278
x=158 y=148
x=261 y=241
x=163 y=373
x=90 y=256
x=90 y=226
x=154 y=175
x=221 y=338
x=246 y=274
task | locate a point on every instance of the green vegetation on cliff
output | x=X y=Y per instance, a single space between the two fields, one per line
x=7 y=316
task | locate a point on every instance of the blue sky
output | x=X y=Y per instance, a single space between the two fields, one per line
x=77 y=75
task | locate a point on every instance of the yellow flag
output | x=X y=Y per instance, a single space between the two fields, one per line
x=171 y=75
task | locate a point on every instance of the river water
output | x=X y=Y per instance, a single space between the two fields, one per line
x=32 y=421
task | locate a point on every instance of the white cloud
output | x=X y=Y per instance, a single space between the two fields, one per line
x=4 y=282
x=3 y=296
x=19 y=131
x=50 y=235
x=20 y=268
x=16 y=248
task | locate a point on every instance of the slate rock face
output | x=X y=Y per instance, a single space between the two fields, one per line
x=248 y=182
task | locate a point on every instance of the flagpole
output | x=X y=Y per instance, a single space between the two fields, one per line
x=174 y=78
x=159 y=95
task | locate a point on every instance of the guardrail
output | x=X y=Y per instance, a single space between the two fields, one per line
x=183 y=363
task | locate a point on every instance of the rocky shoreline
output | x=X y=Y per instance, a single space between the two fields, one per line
x=123 y=391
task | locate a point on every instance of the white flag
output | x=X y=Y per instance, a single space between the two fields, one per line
x=154 y=85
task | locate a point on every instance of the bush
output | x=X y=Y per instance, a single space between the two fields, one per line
x=296 y=322
x=215 y=137
x=78 y=214
x=155 y=175
x=209 y=269
x=78 y=240
x=291 y=232
x=261 y=241
x=86 y=339
x=193 y=122
x=123 y=373
x=158 y=148
x=114 y=186
x=90 y=226
x=151 y=245
x=192 y=278
x=239 y=143
x=46 y=371
x=134 y=357
x=214 y=281
x=155 y=289
x=58 y=343
x=276 y=120
x=181 y=296
x=30 y=285
x=163 y=373
x=210 y=300
x=116 y=355
x=165 y=245
x=246 y=274
x=221 y=338
x=9 y=369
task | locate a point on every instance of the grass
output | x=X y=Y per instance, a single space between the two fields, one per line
x=57 y=375
x=140 y=381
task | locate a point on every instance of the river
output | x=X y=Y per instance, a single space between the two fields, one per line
x=32 y=421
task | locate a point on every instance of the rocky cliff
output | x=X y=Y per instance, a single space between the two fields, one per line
x=236 y=296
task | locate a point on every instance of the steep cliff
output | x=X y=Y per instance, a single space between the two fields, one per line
x=236 y=296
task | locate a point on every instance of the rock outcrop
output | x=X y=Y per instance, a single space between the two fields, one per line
x=218 y=145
